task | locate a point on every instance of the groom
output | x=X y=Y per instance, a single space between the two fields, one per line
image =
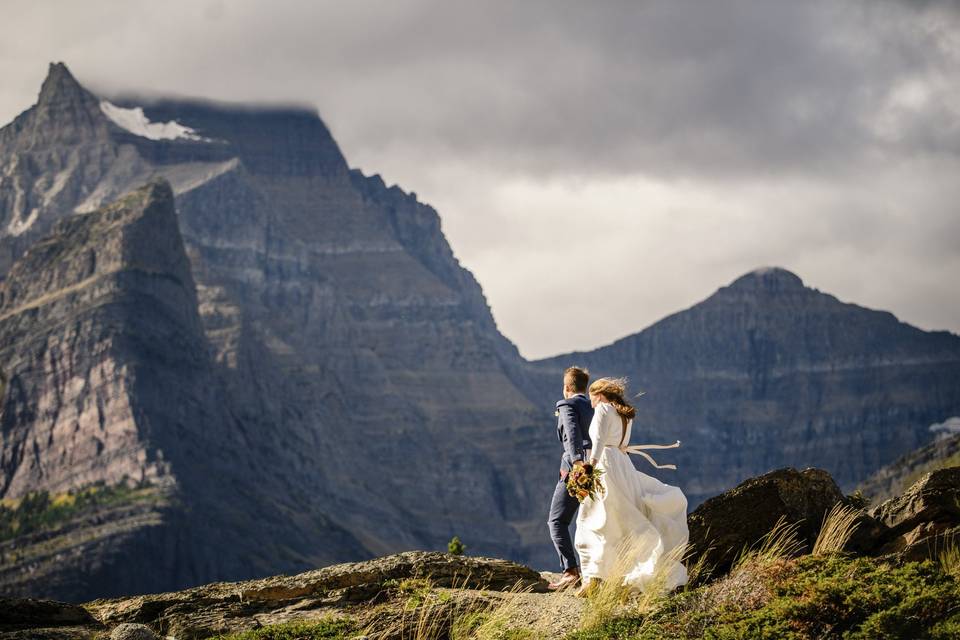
x=574 y=415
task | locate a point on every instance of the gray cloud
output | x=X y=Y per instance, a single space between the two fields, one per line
x=823 y=136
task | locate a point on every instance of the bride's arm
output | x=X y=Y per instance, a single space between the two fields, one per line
x=596 y=425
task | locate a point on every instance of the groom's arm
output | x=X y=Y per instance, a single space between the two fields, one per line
x=573 y=443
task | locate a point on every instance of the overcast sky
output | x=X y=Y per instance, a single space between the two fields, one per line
x=633 y=155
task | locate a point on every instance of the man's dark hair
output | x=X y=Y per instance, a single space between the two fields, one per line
x=577 y=379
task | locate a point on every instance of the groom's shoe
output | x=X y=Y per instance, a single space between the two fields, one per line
x=568 y=579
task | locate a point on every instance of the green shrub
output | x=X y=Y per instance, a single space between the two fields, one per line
x=40 y=510
x=829 y=596
x=331 y=629
x=455 y=547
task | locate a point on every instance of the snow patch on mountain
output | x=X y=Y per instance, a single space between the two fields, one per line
x=136 y=122
x=948 y=427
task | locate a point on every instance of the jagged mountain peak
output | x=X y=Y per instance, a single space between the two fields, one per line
x=139 y=232
x=60 y=86
x=65 y=114
x=769 y=280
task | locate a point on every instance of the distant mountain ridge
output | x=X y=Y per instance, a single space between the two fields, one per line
x=891 y=479
x=328 y=383
x=768 y=372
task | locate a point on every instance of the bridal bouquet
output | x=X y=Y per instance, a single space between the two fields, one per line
x=584 y=482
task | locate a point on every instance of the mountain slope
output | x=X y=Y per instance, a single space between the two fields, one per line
x=108 y=381
x=894 y=478
x=767 y=372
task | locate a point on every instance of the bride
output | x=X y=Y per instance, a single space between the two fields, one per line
x=637 y=528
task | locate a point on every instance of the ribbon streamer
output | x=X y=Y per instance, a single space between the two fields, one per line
x=637 y=449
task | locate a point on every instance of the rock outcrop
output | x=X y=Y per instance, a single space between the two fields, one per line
x=925 y=519
x=30 y=613
x=223 y=607
x=919 y=524
x=724 y=526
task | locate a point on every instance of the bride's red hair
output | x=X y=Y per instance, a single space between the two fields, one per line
x=613 y=391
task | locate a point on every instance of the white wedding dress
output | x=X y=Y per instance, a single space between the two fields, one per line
x=638 y=527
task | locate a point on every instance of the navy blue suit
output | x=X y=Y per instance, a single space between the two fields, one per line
x=573 y=424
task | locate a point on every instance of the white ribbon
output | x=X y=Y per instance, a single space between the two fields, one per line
x=637 y=449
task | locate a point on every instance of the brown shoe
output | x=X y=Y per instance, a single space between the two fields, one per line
x=568 y=580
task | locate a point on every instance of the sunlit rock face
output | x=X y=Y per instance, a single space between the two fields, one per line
x=768 y=372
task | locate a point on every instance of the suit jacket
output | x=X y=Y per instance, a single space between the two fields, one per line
x=573 y=429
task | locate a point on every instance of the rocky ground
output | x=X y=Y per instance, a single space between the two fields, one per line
x=896 y=573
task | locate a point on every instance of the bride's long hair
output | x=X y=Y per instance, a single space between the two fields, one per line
x=614 y=390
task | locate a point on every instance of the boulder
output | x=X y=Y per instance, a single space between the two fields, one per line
x=934 y=497
x=132 y=631
x=724 y=525
x=20 y=613
x=922 y=520
x=927 y=541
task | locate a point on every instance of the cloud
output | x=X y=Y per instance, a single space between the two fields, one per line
x=674 y=143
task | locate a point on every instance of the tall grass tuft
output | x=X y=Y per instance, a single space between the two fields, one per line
x=698 y=572
x=426 y=614
x=839 y=525
x=780 y=542
x=949 y=559
x=610 y=598
x=491 y=621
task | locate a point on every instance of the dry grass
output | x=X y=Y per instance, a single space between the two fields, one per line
x=492 y=620
x=949 y=559
x=699 y=572
x=779 y=543
x=611 y=597
x=839 y=524
x=461 y=612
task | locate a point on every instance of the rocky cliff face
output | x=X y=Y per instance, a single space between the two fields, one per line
x=111 y=380
x=768 y=372
x=84 y=316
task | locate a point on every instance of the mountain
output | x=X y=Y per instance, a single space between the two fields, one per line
x=264 y=361
x=894 y=478
x=360 y=379
x=768 y=372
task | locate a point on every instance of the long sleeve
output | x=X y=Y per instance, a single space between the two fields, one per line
x=573 y=441
x=597 y=435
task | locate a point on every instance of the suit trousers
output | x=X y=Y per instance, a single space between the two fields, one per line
x=563 y=508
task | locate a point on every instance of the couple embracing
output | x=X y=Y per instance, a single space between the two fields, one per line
x=635 y=529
